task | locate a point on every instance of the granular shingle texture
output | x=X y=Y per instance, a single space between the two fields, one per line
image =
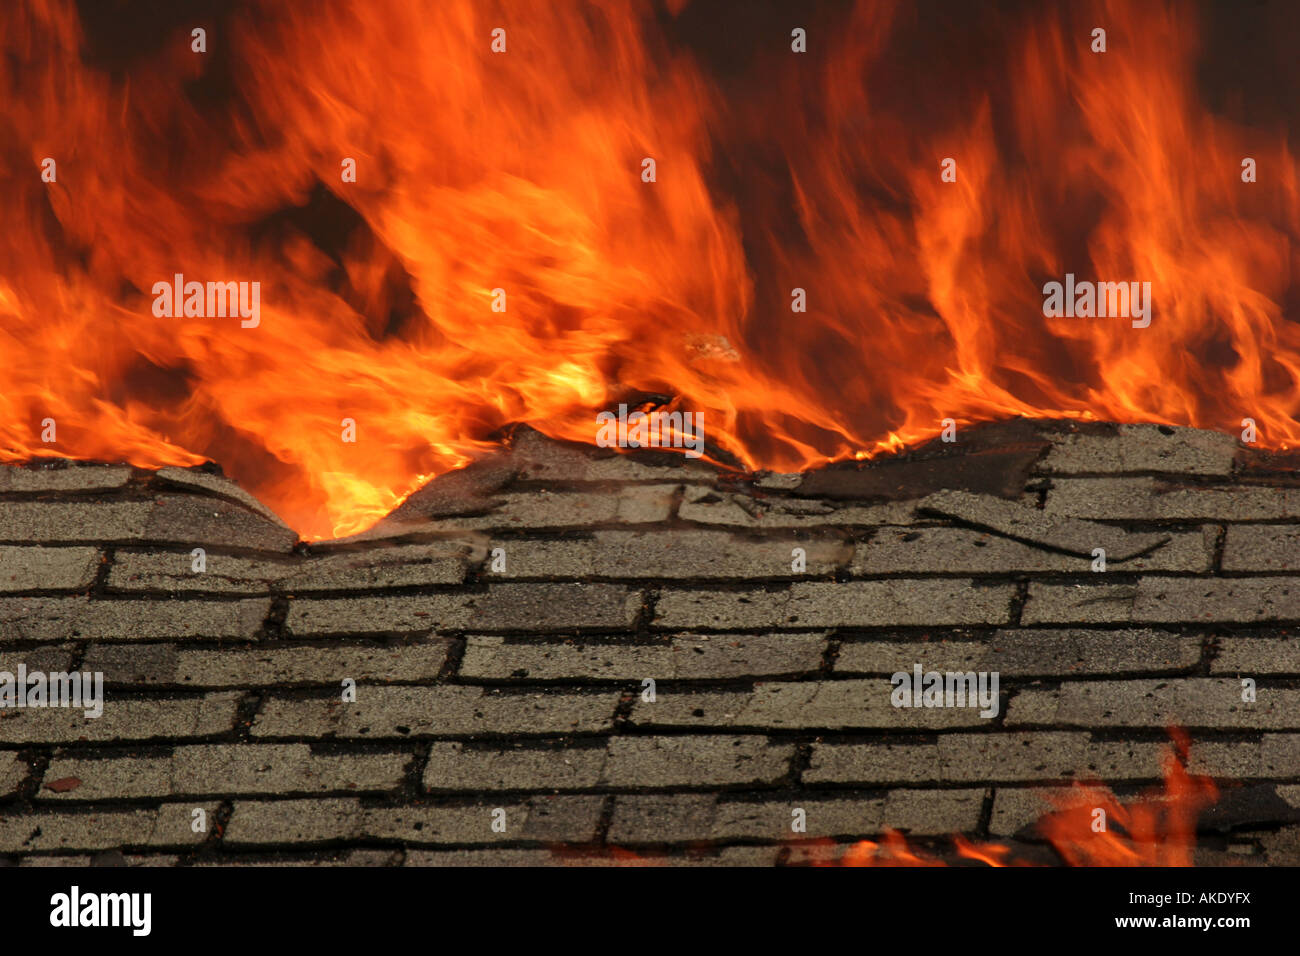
x=567 y=656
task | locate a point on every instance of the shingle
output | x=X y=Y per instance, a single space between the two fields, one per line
x=555 y=607
x=1184 y=702
x=928 y=550
x=543 y=508
x=709 y=507
x=832 y=705
x=1162 y=600
x=47 y=569
x=174 y=519
x=1016 y=520
x=980 y=758
x=933 y=602
x=1154 y=499
x=378 y=615
x=444 y=561
x=399 y=712
x=267 y=666
x=569 y=819
x=457 y=766
x=63 y=618
x=1029 y=653
x=47 y=658
x=1272 y=756
x=413 y=565
x=13 y=771
x=1258 y=656
x=75 y=477
x=696 y=761
x=123 y=720
x=168 y=825
x=214 y=522
x=1255 y=547
x=670 y=553
x=1143 y=448
x=225 y=769
x=219 y=485
x=698 y=657
x=27 y=522
x=542 y=459
x=691 y=818
x=104 y=858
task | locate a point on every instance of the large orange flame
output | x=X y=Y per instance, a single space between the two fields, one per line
x=522 y=171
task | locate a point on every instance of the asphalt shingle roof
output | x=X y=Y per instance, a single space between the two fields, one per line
x=558 y=651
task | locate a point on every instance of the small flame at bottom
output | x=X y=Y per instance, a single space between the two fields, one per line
x=1089 y=827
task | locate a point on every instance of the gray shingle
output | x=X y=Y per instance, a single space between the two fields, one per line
x=219 y=485
x=407 y=614
x=64 y=618
x=1154 y=499
x=400 y=712
x=1159 y=600
x=540 y=459
x=169 y=825
x=123 y=720
x=1143 y=448
x=964 y=551
x=695 y=761
x=48 y=569
x=979 y=758
x=75 y=477
x=933 y=602
x=543 y=508
x=1068 y=652
x=1016 y=520
x=13 y=771
x=571 y=819
x=267 y=666
x=456 y=766
x=1255 y=547
x=1184 y=702
x=1258 y=656
x=415 y=565
x=697 y=657
x=688 y=818
x=833 y=705
x=555 y=607
x=709 y=507
x=672 y=554
x=224 y=769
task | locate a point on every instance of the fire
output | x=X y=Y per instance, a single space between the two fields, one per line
x=500 y=259
x=1089 y=827
x=1159 y=829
